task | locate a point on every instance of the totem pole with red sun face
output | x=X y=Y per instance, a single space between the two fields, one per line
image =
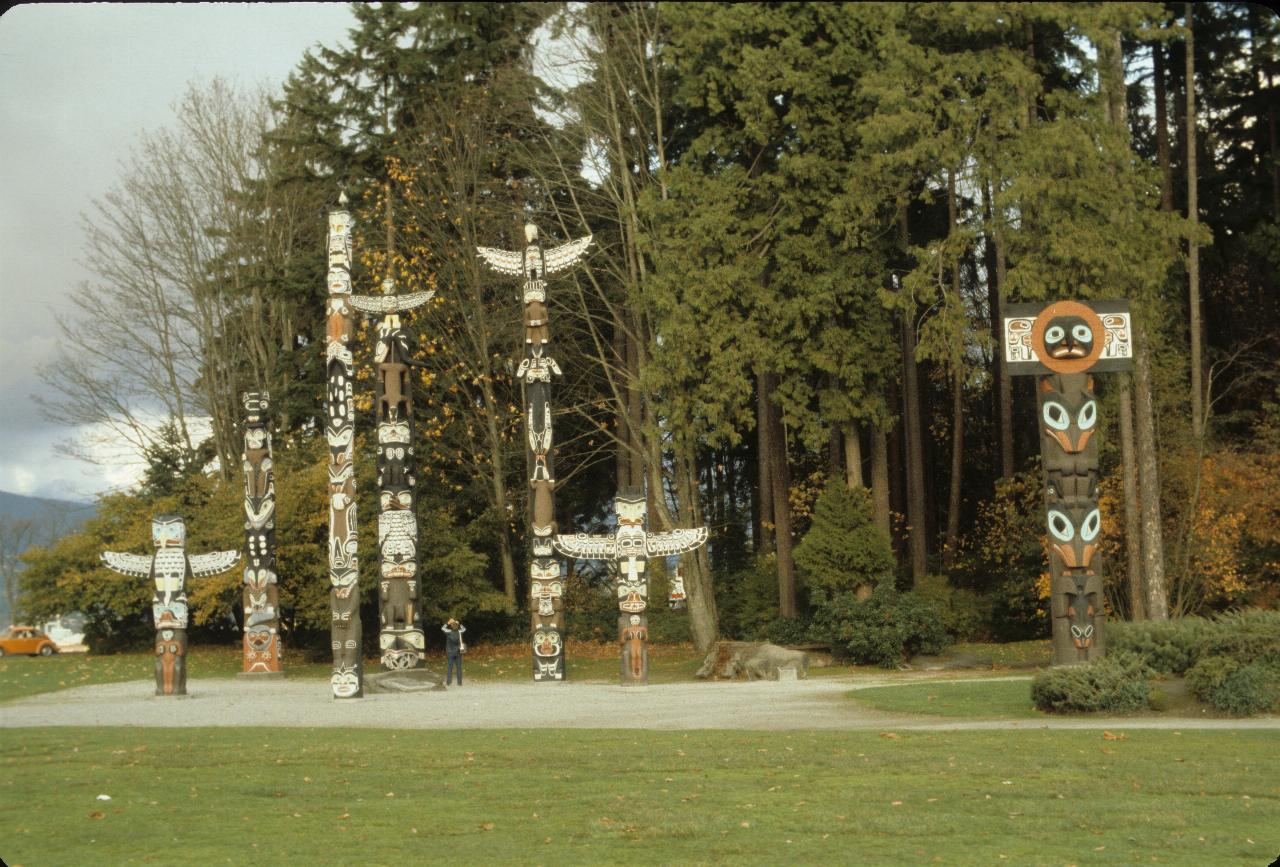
x=1063 y=345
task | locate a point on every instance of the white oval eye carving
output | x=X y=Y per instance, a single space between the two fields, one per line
x=1056 y=415
x=1092 y=524
x=1060 y=526
x=1088 y=416
x=1082 y=333
x=1054 y=334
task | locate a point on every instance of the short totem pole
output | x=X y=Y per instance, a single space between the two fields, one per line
x=347 y=679
x=261 y=606
x=399 y=610
x=534 y=373
x=1063 y=344
x=170 y=568
x=625 y=552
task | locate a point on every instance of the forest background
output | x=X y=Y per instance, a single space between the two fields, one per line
x=806 y=218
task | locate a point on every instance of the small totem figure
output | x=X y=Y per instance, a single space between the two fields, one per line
x=625 y=553
x=1064 y=344
x=261 y=616
x=534 y=373
x=170 y=568
x=675 y=593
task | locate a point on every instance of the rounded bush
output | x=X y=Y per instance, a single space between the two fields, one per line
x=1117 y=683
x=1240 y=689
x=883 y=629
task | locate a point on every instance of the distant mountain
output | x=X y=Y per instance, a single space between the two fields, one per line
x=48 y=515
x=16 y=506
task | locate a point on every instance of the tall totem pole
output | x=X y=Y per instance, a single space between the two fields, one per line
x=347 y=680
x=261 y=606
x=170 y=568
x=400 y=634
x=535 y=372
x=1063 y=344
x=625 y=553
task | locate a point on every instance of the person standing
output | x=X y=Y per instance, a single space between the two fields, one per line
x=453 y=648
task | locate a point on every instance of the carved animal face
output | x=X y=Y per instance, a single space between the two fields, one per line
x=168 y=531
x=1069 y=419
x=1074 y=527
x=546 y=642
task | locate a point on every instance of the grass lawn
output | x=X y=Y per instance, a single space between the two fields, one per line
x=327 y=796
x=1005 y=698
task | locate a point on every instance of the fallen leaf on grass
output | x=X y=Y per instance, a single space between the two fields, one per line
x=1108 y=736
x=746 y=824
x=97 y=814
x=345 y=816
x=487 y=826
x=890 y=735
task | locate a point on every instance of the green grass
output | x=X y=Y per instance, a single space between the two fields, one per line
x=1013 y=654
x=206 y=796
x=1007 y=698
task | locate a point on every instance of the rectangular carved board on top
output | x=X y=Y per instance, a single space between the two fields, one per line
x=1074 y=337
x=1064 y=344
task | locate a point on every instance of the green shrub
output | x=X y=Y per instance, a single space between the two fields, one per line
x=1169 y=647
x=966 y=614
x=883 y=629
x=786 y=630
x=1175 y=646
x=747 y=601
x=1116 y=683
x=843 y=548
x=1235 y=687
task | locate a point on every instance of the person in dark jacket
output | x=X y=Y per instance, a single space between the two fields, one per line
x=453 y=647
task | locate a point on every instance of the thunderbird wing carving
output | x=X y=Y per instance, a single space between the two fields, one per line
x=565 y=255
x=586 y=547
x=503 y=261
x=134 y=565
x=211 y=564
x=675 y=542
x=391 y=303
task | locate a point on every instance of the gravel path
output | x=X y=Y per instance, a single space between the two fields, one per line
x=813 y=704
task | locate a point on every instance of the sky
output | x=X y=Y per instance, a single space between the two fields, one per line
x=78 y=83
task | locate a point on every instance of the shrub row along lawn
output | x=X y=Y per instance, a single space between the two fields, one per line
x=326 y=796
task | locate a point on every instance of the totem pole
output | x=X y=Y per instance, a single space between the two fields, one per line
x=675 y=593
x=261 y=615
x=347 y=680
x=1063 y=344
x=399 y=612
x=535 y=372
x=170 y=567
x=625 y=552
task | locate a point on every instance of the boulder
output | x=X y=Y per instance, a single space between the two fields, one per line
x=751 y=659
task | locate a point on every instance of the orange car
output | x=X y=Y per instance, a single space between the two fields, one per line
x=28 y=640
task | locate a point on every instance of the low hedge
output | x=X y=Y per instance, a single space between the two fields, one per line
x=1117 y=683
x=883 y=629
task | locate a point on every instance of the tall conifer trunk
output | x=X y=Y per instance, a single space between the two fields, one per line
x=880 y=480
x=1193 y=248
x=780 y=483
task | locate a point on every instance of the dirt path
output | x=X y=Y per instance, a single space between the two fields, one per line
x=819 y=703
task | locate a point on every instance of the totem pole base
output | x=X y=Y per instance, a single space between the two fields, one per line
x=259 y=675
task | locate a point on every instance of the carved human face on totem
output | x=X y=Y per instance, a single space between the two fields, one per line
x=345 y=681
x=1069 y=418
x=168 y=531
x=633 y=597
x=1067 y=337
